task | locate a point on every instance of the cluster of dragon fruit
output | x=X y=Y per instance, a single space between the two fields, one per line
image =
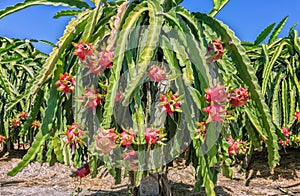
x=170 y=102
x=220 y=101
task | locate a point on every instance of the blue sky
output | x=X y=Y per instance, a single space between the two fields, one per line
x=246 y=17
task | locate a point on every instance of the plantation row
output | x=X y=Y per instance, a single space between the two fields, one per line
x=134 y=85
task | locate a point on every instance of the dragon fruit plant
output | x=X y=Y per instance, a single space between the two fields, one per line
x=279 y=80
x=139 y=77
x=20 y=63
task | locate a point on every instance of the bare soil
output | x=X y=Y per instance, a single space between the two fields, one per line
x=37 y=179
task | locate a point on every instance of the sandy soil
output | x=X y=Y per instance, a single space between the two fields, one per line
x=37 y=179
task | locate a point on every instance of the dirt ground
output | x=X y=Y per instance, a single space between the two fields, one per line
x=38 y=179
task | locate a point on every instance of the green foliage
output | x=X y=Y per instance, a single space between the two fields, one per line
x=277 y=30
x=218 y=5
x=276 y=69
x=147 y=53
x=141 y=34
x=67 y=13
x=263 y=35
x=45 y=128
x=246 y=74
x=119 y=53
x=19 y=63
x=29 y=3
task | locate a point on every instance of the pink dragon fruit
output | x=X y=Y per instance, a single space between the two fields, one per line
x=2 y=138
x=131 y=160
x=127 y=137
x=297 y=116
x=156 y=73
x=106 y=140
x=216 y=50
x=216 y=94
x=215 y=112
x=73 y=134
x=82 y=171
x=239 y=97
x=92 y=98
x=286 y=132
x=83 y=49
x=66 y=83
x=152 y=135
x=170 y=103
